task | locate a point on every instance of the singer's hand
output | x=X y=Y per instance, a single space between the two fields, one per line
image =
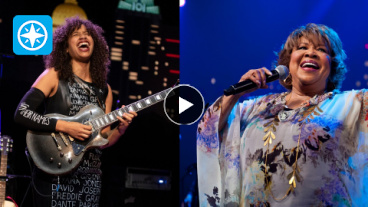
x=258 y=76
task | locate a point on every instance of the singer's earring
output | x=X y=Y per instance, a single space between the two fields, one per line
x=288 y=80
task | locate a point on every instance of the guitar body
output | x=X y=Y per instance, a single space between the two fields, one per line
x=57 y=153
x=8 y=204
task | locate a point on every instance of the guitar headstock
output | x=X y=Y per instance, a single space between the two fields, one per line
x=6 y=144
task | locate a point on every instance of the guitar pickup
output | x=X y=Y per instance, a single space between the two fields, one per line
x=56 y=142
x=64 y=139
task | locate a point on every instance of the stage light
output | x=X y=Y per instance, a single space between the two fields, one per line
x=213 y=81
x=182 y=3
x=161 y=181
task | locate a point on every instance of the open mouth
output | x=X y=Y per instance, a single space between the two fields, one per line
x=84 y=46
x=310 y=65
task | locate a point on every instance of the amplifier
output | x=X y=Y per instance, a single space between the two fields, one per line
x=152 y=179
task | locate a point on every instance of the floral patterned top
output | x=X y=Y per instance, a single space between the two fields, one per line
x=240 y=166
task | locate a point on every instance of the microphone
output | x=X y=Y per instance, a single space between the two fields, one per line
x=280 y=72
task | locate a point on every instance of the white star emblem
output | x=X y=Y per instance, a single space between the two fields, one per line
x=32 y=35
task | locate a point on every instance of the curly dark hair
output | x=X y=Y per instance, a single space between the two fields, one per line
x=333 y=42
x=61 y=60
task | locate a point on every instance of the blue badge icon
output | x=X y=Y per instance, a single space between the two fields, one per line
x=32 y=34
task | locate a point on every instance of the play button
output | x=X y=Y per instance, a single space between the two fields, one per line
x=189 y=101
x=184 y=105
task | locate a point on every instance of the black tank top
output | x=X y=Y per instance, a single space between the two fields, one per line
x=83 y=186
x=71 y=96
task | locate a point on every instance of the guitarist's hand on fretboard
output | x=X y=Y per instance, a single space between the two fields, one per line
x=125 y=120
x=74 y=129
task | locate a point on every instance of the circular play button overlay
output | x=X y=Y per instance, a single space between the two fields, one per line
x=188 y=100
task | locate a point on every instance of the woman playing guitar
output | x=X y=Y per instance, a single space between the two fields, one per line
x=75 y=77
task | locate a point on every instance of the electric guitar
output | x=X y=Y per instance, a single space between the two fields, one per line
x=57 y=153
x=6 y=144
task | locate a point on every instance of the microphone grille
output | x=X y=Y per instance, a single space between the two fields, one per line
x=283 y=71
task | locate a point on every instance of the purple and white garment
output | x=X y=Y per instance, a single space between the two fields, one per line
x=333 y=153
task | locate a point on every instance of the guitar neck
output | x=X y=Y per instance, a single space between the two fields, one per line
x=110 y=118
x=3 y=165
x=3 y=168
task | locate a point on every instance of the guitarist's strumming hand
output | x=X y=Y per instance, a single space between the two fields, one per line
x=125 y=120
x=74 y=129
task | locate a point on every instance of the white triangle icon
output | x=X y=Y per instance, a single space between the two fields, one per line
x=184 y=105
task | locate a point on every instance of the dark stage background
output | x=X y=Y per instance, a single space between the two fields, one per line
x=221 y=40
x=151 y=142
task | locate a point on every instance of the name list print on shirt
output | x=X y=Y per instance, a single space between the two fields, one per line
x=83 y=191
x=80 y=98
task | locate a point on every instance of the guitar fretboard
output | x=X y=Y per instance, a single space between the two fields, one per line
x=2 y=191
x=3 y=168
x=3 y=165
x=110 y=118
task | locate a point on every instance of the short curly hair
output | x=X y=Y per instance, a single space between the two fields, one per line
x=61 y=60
x=333 y=42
